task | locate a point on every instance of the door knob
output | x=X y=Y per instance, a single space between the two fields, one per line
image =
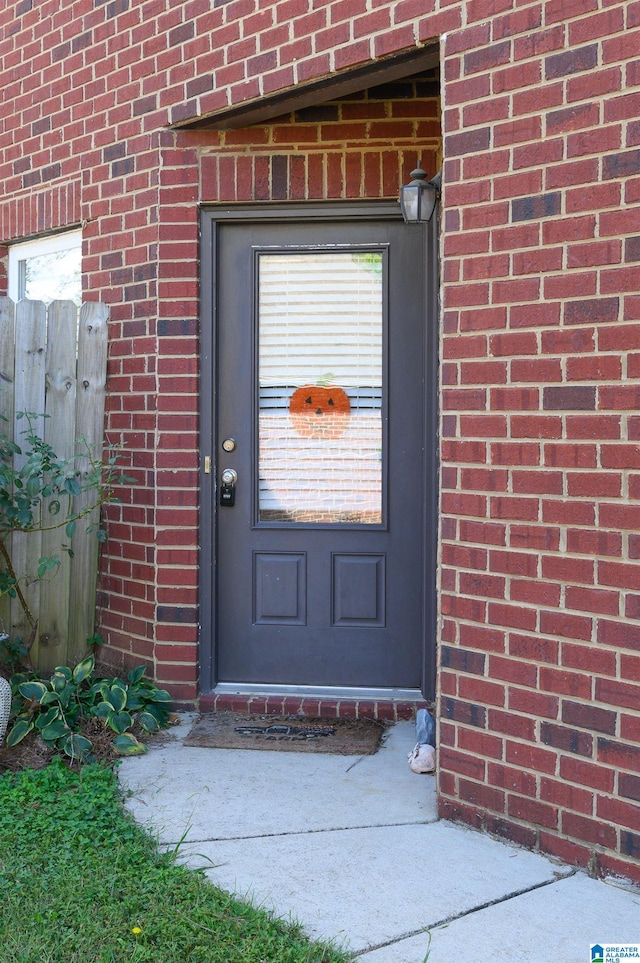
x=228 y=478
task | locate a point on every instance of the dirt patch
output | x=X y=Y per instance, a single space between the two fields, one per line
x=33 y=753
x=237 y=730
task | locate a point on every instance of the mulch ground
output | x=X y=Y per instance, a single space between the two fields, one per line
x=33 y=753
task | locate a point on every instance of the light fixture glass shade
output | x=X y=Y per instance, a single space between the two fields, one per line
x=418 y=198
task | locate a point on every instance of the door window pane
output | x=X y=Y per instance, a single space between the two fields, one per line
x=320 y=367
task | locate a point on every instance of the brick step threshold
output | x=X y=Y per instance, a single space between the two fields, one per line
x=286 y=705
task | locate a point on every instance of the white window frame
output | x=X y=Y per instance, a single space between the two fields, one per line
x=24 y=250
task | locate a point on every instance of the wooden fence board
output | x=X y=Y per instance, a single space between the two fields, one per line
x=92 y=375
x=29 y=395
x=7 y=368
x=60 y=433
x=50 y=364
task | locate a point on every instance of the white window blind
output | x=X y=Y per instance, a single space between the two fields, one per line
x=320 y=327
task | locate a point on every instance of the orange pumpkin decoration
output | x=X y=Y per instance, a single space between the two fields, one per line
x=319 y=411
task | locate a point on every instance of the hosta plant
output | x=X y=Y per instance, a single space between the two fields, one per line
x=61 y=708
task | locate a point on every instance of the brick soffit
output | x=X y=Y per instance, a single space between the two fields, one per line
x=262 y=109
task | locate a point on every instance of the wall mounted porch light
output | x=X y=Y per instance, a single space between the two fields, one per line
x=418 y=198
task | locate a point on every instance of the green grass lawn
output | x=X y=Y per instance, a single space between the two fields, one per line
x=80 y=882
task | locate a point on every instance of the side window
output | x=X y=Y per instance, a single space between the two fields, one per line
x=47 y=269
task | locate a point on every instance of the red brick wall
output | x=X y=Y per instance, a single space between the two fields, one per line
x=362 y=146
x=538 y=576
x=540 y=728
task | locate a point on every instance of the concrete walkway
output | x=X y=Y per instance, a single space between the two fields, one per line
x=351 y=848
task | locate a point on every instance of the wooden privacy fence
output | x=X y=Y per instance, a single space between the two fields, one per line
x=53 y=364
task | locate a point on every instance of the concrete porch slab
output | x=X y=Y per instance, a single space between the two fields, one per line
x=225 y=793
x=370 y=886
x=556 y=922
x=351 y=848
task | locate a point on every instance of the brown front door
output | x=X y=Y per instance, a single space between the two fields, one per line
x=321 y=481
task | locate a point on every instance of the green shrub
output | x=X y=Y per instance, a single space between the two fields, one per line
x=58 y=709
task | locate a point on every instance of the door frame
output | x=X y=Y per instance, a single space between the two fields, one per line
x=212 y=216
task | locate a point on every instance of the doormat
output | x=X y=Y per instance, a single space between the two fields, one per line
x=237 y=730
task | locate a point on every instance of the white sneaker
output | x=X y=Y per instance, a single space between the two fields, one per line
x=422 y=758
